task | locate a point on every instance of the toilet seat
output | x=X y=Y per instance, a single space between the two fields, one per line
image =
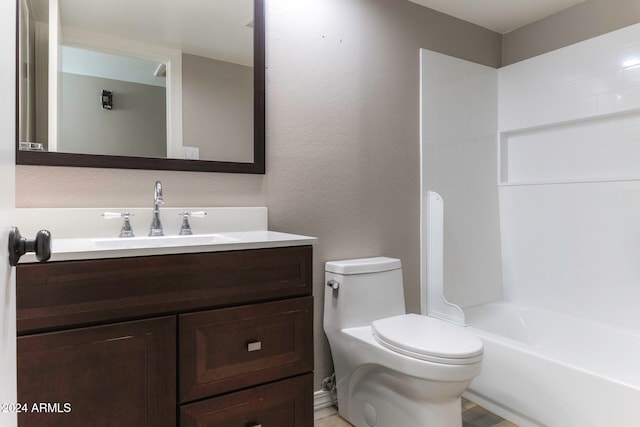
x=427 y=338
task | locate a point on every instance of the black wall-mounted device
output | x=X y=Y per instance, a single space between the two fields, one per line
x=107 y=99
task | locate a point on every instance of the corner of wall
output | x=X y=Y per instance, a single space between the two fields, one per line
x=575 y=24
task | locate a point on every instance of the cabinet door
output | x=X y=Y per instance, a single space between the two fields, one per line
x=287 y=403
x=115 y=375
x=228 y=349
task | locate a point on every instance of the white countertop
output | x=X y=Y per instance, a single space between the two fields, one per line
x=83 y=233
x=65 y=249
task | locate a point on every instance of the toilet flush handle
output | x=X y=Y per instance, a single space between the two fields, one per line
x=333 y=284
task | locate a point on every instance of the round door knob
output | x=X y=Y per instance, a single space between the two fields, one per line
x=19 y=246
x=42 y=246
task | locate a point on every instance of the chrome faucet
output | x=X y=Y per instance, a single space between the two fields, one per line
x=156 y=225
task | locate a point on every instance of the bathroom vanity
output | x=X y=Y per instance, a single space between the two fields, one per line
x=208 y=337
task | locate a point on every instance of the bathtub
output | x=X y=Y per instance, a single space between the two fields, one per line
x=548 y=369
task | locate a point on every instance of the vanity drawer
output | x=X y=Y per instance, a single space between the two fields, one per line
x=232 y=348
x=287 y=403
x=66 y=293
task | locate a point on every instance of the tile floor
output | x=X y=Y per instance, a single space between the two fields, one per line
x=472 y=416
x=476 y=416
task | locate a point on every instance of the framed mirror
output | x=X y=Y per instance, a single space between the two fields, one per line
x=151 y=84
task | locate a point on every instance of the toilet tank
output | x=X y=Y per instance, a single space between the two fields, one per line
x=369 y=289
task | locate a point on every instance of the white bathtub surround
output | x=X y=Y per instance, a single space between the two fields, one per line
x=573 y=244
x=569 y=208
x=458 y=133
x=574 y=248
x=563 y=212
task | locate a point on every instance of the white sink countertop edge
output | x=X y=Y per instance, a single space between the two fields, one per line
x=67 y=249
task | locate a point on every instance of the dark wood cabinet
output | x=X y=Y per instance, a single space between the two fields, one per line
x=122 y=342
x=228 y=349
x=114 y=375
x=67 y=293
x=284 y=403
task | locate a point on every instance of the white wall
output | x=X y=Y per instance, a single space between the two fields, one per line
x=7 y=202
x=570 y=178
x=136 y=126
x=459 y=119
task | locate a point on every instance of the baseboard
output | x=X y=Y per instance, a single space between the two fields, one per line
x=324 y=404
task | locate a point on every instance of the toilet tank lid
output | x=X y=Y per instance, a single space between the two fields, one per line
x=363 y=265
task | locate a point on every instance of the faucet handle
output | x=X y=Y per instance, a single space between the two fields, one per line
x=111 y=215
x=126 y=230
x=185 y=229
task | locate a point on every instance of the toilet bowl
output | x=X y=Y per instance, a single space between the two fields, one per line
x=393 y=368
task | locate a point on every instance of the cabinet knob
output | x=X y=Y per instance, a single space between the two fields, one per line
x=254 y=346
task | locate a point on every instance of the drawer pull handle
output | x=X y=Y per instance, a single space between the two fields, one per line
x=254 y=346
x=253 y=425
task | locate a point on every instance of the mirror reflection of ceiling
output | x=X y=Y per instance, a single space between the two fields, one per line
x=87 y=62
x=219 y=29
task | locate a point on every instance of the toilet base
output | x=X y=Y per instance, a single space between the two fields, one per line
x=379 y=397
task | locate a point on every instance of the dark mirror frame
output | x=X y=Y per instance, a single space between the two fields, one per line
x=124 y=162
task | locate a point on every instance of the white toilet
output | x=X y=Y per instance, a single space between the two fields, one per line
x=392 y=368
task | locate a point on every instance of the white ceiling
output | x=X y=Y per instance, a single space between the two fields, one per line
x=500 y=16
x=115 y=67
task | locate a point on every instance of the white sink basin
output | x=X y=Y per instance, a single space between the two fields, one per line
x=162 y=241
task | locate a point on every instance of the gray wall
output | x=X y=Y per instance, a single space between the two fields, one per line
x=136 y=126
x=342 y=137
x=583 y=21
x=217 y=108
